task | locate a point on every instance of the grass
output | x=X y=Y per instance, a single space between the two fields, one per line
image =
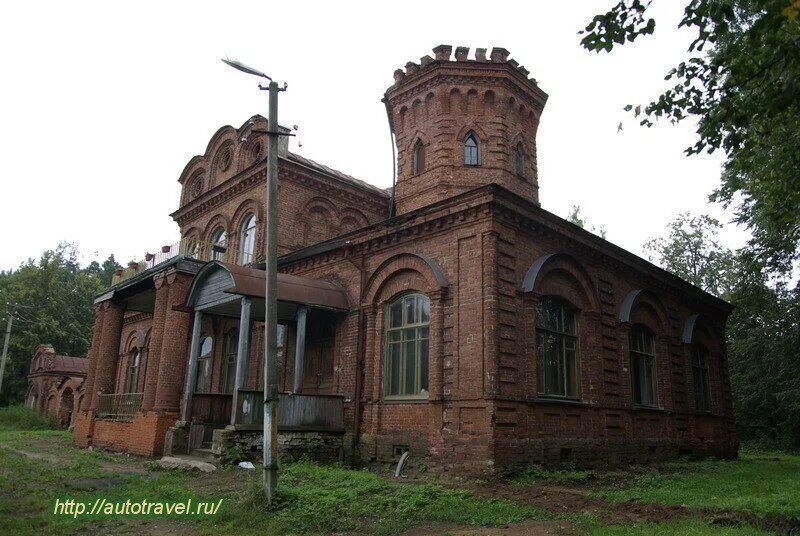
x=539 y=475
x=23 y=418
x=681 y=528
x=39 y=465
x=765 y=485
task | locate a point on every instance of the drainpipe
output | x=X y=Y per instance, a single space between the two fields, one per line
x=394 y=156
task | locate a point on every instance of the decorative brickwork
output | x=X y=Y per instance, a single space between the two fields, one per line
x=471 y=237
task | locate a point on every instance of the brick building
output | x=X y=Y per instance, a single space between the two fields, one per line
x=450 y=316
x=55 y=384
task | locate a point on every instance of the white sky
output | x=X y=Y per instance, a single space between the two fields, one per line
x=103 y=103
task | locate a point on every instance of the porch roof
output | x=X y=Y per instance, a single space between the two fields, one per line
x=218 y=283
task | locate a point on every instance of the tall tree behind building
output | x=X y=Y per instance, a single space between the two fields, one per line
x=763 y=332
x=52 y=303
x=740 y=81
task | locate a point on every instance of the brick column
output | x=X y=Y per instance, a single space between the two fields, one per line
x=156 y=342
x=97 y=328
x=108 y=352
x=174 y=347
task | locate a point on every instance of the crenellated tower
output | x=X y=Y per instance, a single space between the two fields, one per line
x=460 y=124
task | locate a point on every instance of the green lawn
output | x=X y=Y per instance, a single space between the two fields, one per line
x=762 y=484
x=39 y=465
x=312 y=500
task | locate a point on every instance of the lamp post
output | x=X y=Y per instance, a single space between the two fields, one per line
x=270 y=478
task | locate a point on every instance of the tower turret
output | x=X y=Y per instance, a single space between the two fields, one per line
x=462 y=124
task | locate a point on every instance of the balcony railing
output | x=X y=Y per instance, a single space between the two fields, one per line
x=188 y=247
x=118 y=406
x=296 y=411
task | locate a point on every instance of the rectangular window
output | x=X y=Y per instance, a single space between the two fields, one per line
x=643 y=375
x=557 y=349
x=407 y=335
x=700 y=377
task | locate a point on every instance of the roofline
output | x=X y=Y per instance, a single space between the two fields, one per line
x=497 y=193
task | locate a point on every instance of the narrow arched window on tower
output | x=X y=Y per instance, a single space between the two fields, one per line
x=418 y=158
x=519 y=160
x=471 y=150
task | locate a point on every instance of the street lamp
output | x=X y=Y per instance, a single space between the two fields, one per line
x=271 y=295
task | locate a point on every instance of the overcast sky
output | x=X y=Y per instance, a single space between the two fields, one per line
x=102 y=104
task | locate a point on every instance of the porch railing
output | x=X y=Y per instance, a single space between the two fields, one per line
x=118 y=406
x=297 y=411
x=189 y=247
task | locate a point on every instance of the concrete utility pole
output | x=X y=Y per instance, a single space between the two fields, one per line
x=5 y=348
x=271 y=292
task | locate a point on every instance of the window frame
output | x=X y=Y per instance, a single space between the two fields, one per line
x=519 y=160
x=703 y=369
x=477 y=149
x=562 y=337
x=132 y=372
x=201 y=360
x=418 y=157
x=243 y=235
x=644 y=357
x=229 y=359
x=422 y=393
x=219 y=244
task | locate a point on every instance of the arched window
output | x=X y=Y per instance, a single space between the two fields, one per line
x=407 y=332
x=519 y=160
x=700 y=375
x=132 y=372
x=190 y=247
x=248 y=240
x=202 y=382
x=219 y=244
x=418 y=158
x=471 y=150
x=229 y=365
x=643 y=366
x=557 y=348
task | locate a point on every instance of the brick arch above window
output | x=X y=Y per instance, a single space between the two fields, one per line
x=216 y=222
x=560 y=274
x=642 y=306
x=404 y=272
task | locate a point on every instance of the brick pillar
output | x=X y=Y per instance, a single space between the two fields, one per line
x=108 y=352
x=174 y=347
x=97 y=328
x=156 y=342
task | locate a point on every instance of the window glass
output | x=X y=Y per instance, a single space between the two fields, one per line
x=407 y=335
x=218 y=244
x=418 y=158
x=229 y=370
x=471 y=155
x=700 y=376
x=132 y=376
x=203 y=378
x=248 y=240
x=557 y=348
x=519 y=161
x=642 y=344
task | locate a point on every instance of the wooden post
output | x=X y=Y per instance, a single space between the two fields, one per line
x=242 y=352
x=300 y=348
x=191 y=367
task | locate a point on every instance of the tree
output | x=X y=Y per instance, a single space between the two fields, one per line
x=576 y=218
x=692 y=252
x=763 y=332
x=741 y=82
x=52 y=302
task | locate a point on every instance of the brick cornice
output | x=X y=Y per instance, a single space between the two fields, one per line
x=289 y=170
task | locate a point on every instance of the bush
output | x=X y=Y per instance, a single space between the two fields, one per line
x=23 y=418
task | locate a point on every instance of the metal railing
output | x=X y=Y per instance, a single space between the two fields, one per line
x=188 y=247
x=118 y=406
x=296 y=411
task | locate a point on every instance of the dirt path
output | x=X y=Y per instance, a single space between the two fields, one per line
x=527 y=528
x=124 y=468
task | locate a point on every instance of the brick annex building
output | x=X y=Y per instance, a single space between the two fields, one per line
x=450 y=316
